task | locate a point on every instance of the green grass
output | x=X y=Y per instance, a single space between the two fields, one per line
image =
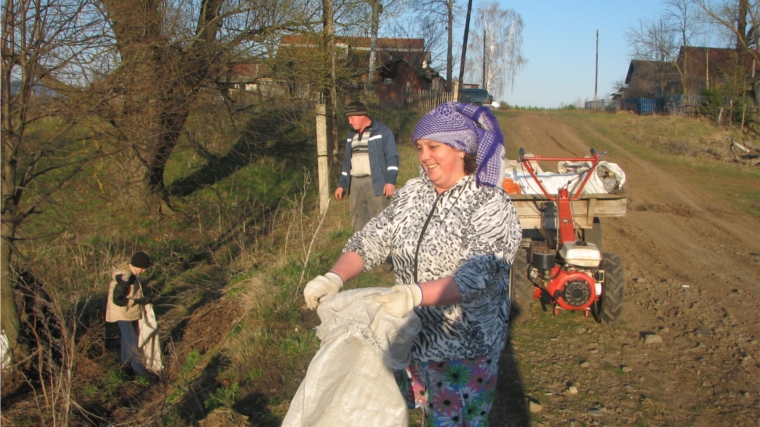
x=191 y=362
x=223 y=397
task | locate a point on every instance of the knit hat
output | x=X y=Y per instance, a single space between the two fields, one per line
x=140 y=260
x=356 y=108
x=469 y=128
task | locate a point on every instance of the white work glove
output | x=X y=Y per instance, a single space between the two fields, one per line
x=402 y=300
x=321 y=286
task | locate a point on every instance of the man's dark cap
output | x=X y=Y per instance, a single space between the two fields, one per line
x=141 y=260
x=356 y=108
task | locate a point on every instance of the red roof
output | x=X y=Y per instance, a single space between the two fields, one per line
x=358 y=43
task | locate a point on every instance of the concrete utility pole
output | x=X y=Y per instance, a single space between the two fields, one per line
x=323 y=167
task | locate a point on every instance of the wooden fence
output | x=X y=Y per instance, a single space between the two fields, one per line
x=421 y=100
x=426 y=100
x=601 y=104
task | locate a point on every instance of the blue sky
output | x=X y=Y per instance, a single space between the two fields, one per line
x=559 y=41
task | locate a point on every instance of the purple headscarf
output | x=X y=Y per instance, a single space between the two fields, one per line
x=468 y=128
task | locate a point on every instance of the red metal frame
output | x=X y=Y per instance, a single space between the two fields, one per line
x=563 y=198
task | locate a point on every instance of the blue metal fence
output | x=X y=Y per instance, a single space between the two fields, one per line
x=678 y=104
x=646 y=105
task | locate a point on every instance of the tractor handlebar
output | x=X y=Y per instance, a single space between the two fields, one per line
x=594 y=160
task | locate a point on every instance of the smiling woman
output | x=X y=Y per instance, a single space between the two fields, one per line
x=452 y=235
x=443 y=164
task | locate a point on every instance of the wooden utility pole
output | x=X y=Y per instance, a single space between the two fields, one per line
x=464 y=49
x=449 y=42
x=484 y=57
x=323 y=167
x=596 y=69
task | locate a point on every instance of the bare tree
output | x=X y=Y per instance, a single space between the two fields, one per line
x=390 y=9
x=44 y=130
x=740 y=19
x=442 y=13
x=496 y=46
x=377 y=9
x=139 y=66
x=167 y=53
x=684 y=19
x=653 y=40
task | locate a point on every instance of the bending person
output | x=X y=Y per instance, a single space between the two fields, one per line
x=126 y=296
x=452 y=234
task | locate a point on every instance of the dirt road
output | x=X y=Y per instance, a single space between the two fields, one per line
x=692 y=267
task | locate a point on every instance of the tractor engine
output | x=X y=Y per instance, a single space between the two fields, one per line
x=572 y=279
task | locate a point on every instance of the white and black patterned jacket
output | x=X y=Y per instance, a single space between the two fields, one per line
x=469 y=232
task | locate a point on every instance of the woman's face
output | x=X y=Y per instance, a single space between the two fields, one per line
x=443 y=164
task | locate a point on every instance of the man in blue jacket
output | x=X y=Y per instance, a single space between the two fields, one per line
x=370 y=166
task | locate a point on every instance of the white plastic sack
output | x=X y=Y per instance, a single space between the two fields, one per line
x=148 y=341
x=350 y=380
x=612 y=171
x=607 y=178
x=5 y=353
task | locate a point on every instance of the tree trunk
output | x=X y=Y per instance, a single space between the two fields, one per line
x=162 y=80
x=9 y=316
x=741 y=27
x=171 y=124
x=377 y=8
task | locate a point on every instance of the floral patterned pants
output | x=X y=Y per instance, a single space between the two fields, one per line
x=455 y=393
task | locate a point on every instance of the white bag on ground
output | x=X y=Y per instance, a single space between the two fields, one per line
x=350 y=380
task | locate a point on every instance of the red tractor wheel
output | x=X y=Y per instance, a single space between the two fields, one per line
x=520 y=289
x=609 y=307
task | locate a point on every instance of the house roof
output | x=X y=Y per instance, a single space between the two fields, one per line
x=356 y=53
x=650 y=69
x=714 y=53
x=356 y=50
x=245 y=72
x=718 y=58
x=357 y=43
x=425 y=72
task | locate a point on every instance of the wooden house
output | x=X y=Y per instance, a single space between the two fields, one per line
x=715 y=68
x=401 y=64
x=247 y=77
x=652 y=79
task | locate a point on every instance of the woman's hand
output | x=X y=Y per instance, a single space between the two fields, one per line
x=320 y=287
x=402 y=300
